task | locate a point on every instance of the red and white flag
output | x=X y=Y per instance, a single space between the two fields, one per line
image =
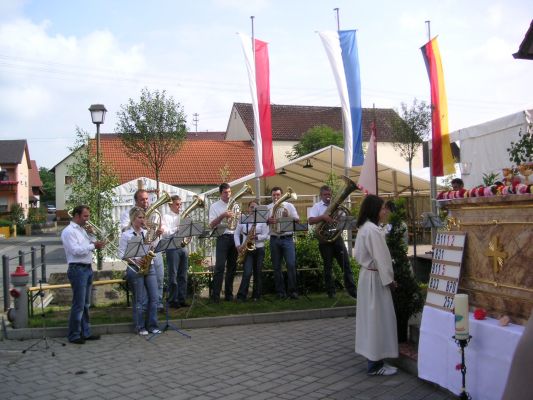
x=259 y=77
x=367 y=178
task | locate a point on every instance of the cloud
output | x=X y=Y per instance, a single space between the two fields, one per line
x=494 y=15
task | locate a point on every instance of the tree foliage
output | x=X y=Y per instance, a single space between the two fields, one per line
x=522 y=151
x=410 y=131
x=152 y=129
x=49 y=185
x=84 y=188
x=315 y=138
x=407 y=296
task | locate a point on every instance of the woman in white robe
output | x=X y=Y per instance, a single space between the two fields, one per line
x=375 y=322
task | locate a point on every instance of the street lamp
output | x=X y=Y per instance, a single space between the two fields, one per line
x=98 y=116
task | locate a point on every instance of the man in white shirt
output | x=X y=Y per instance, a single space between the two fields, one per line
x=79 y=247
x=335 y=249
x=282 y=246
x=142 y=200
x=253 y=261
x=177 y=259
x=226 y=253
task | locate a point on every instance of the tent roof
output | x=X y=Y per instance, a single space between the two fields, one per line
x=326 y=160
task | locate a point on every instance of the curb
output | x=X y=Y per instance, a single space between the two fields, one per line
x=194 y=323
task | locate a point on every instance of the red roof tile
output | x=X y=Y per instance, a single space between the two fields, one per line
x=290 y=122
x=198 y=162
x=35 y=179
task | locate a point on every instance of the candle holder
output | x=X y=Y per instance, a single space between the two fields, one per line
x=462 y=344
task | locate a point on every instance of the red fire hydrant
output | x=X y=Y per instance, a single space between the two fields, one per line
x=18 y=315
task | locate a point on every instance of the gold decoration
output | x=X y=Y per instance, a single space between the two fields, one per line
x=453 y=224
x=495 y=251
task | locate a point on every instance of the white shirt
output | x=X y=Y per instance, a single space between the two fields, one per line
x=171 y=221
x=77 y=243
x=125 y=219
x=125 y=237
x=318 y=209
x=261 y=232
x=292 y=213
x=216 y=209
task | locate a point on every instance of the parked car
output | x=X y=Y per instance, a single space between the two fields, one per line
x=50 y=208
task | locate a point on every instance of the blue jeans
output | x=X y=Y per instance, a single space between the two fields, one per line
x=253 y=264
x=160 y=275
x=178 y=265
x=337 y=250
x=226 y=258
x=283 y=247
x=81 y=280
x=144 y=287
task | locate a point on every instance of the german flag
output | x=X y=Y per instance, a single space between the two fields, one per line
x=442 y=159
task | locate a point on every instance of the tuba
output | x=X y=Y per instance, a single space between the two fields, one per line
x=278 y=211
x=198 y=202
x=153 y=218
x=233 y=206
x=329 y=232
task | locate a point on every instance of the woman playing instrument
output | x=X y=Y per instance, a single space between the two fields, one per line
x=144 y=286
x=252 y=252
x=375 y=322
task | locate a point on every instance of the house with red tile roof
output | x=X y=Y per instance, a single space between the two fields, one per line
x=290 y=123
x=15 y=171
x=35 y=186
x=197 y=166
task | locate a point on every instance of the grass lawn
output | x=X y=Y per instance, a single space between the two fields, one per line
x=120 y=313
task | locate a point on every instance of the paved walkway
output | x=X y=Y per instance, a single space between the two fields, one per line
x=312 y=359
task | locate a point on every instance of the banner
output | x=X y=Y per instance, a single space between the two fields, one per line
x=259 y=78
x=442 y=161
x=367 y=178
x=341 y=48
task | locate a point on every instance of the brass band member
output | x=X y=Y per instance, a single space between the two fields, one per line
x=79 y=247
x=330 y=250
x=226 y=253
x=282 y=247
x=252 y=249
x=177 y=259
x=143 y=286
x=142 y=201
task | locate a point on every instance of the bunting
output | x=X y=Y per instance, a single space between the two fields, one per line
x=259 y=78
x=442 y=161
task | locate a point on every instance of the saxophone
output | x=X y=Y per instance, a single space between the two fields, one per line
x=198 y=202
x=278 y=211
x=248 y=245
x=329 y=232
x=146 y=261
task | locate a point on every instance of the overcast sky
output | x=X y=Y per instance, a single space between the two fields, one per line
x=57 y=57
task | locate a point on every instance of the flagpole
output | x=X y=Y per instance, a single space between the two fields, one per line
x=257 y=179
x=432 y=179
x=374 y=131
x=338 y=19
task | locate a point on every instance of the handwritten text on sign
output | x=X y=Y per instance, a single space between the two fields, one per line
x=445 y=269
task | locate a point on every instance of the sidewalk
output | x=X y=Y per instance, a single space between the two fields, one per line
x=306 y=359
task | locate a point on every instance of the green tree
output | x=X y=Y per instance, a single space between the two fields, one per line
x=521 y=151
x=49 y=185
x=152 y=129
x=408 y=133
x=407 y=296
x=84 y=188
x=315 y=138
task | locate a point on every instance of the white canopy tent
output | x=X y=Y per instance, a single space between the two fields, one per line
x=484 y=146
x=307 y=173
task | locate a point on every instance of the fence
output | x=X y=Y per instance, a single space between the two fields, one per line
x=22 y=262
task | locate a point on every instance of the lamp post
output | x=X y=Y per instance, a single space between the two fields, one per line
x=98 y=116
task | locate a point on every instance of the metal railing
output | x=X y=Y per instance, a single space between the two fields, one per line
x=22 y=262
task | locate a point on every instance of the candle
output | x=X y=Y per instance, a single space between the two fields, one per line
x=461 y=316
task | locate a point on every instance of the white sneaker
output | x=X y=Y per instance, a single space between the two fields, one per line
x=385 y=371
x=390 y=366
x=143 y=332
x=155 y=331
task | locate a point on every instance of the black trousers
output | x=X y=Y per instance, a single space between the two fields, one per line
x=337 y=250
x=226 y=254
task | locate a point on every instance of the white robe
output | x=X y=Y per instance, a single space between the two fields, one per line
x=376 y=336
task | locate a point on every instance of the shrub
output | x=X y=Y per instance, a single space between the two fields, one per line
x=37 y=215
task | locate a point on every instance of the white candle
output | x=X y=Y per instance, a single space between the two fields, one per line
x=461 y=316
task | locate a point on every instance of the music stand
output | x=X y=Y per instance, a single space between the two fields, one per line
x=258 y=215
x=430 y=220
x=44 y=338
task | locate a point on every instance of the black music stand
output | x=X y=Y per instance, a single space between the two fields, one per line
x=430 y=220
x=45 y=339
x=288 y=224
x=258 y=215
